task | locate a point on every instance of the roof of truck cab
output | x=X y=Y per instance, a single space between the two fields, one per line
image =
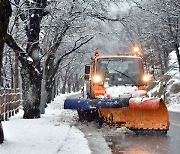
x=117 y=56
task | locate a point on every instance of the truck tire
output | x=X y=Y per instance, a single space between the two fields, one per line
x=88 y=115
x=81 y=115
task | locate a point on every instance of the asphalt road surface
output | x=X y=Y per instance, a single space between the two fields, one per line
x=124 y=141
x=131 y=143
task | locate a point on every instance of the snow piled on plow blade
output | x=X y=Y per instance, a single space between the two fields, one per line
x=144 y=103
x=89 y=104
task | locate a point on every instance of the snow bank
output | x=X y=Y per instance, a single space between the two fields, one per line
x=171 y=80
x=46 y=135
x=173 y=85
x=173 y=65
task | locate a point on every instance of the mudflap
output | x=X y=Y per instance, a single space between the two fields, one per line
x=153 y=115
x=89 y=104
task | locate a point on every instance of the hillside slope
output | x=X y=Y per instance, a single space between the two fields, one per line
x=168 y=86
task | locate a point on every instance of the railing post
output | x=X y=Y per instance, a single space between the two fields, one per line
x=5 y=105
x=13 y=102
x=9 y=102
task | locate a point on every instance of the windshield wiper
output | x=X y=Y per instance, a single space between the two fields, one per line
x=127 y=77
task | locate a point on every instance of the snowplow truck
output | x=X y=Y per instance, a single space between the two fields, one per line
x=117 y=95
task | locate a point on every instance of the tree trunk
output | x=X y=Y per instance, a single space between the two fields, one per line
x=165 y=58
x=73 y=87
x=177 y=54
x=16 y=73
x=159 y=56
x=49 y=89
x=31 y=95
x=49 y=68
x=174 y=35
x=5 y=13
x=1 y=58
x=63 y=89
x=69 y=87
x=58 y=85
x=32 y=76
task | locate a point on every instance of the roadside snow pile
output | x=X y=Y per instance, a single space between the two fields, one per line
x=173 y=85
x=171 y=82
x=48 y=134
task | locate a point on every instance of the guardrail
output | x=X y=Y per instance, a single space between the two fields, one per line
x=9 y=103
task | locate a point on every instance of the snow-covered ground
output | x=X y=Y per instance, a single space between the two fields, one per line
x=50 y=134
x=171 y=81
x=56 y=131
x=173 y=85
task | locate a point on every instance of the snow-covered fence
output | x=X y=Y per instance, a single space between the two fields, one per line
x=9 y=103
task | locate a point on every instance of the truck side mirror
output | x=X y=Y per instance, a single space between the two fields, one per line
x=87 y=72
x=87 y=69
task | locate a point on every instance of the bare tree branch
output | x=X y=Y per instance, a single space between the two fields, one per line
x=68 y=53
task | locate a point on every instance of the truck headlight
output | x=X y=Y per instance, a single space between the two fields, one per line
x=97 y=79
x=146 y=78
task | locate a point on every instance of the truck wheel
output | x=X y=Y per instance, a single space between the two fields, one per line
x=88 y=115
x=81 y=115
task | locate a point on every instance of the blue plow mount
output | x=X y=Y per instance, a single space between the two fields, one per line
x=89 y=104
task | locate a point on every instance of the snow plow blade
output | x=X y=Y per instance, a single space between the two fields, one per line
x=150 y=114
x=89 y=104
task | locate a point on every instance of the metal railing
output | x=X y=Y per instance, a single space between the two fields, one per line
x=9 y=103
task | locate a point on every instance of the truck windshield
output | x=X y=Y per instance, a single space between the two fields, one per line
x=120 y=71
